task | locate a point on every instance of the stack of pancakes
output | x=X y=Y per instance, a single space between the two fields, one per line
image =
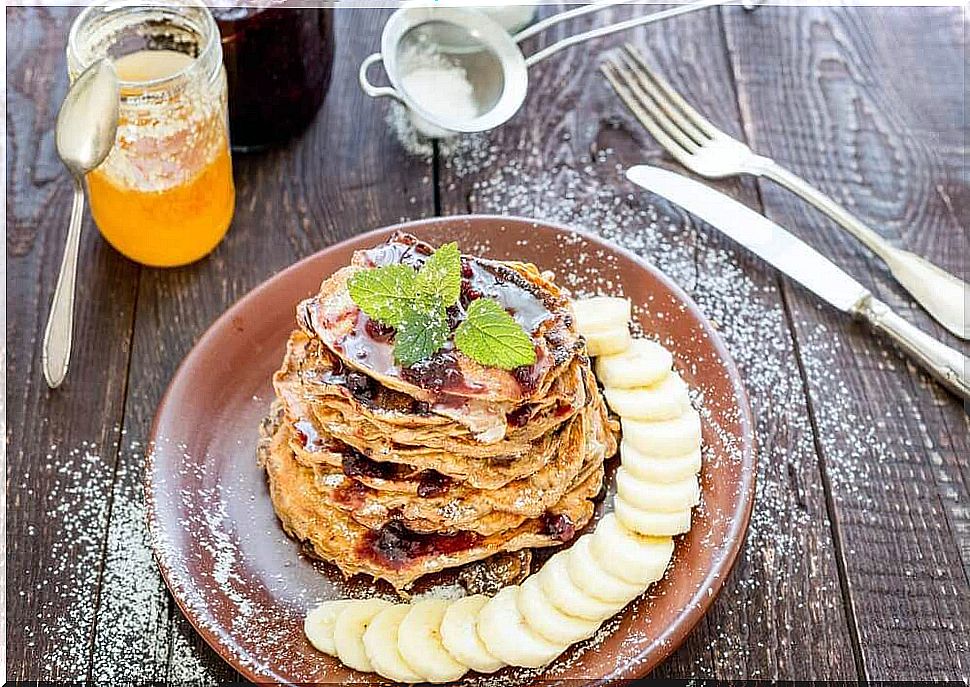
x=399 y=472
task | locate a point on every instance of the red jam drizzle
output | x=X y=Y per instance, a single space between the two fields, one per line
x=558 y=526
x=396 y=547
x=432 y=483
x=372 y=343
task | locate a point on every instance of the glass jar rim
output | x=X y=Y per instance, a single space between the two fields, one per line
x=210 y=35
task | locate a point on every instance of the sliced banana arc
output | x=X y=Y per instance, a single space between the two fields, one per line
x=435 y=640
x=657 y=496
x=658 y=469
x=666 y=438
x=601 y=313
x=380 y=644
x=627 y=554
x=318 y=626
x=508 y=637
x=665 y=400
x=558 y=587
x=547 y=620
x=608 y=342
x=348 y=632
x=419 y=641
x=594 y=580
x=651 y=523
x=459 y=634
x=643 y=363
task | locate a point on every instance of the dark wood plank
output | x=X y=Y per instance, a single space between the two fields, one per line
x=345 y=175
x=780 y=614
x=862 y=103
x=62 y=444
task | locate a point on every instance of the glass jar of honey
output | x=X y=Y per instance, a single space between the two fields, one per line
x=164 y=196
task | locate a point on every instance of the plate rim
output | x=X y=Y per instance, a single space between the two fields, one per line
x=706 y=593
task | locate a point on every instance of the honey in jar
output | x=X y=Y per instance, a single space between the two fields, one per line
x=165 y=196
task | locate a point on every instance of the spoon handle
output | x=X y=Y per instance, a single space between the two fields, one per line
x=60 y=323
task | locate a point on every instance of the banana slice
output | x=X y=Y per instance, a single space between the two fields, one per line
x=600 y=313
x=665 y=400
x=547 y=620
x=628 y=555
x=460 y=635
x=657 y=496
x=651 y=523
x=419 y=641
x=644 y=363
x=587 y=575
x=507 y=636
x=349 y=629
x=380 y=644
x=661 y=470
x=319 y=622
x=558 y=587
x=608 y=342
x=666 y=438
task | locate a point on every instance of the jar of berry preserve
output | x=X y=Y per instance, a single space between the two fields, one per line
x=278 y=58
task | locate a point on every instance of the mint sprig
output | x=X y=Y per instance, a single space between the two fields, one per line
x=492 y=337
x=415 y=303
x=420 y=335
x=385 y=294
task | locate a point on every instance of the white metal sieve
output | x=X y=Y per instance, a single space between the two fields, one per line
x=489 y=59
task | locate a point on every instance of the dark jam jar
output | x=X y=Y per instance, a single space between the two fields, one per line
x=278 y=58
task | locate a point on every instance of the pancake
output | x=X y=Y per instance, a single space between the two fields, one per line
x=454 y=384
x=397 y=472
x=393 y=552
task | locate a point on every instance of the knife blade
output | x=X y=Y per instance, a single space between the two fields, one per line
x=755 y=232
x=807 y=266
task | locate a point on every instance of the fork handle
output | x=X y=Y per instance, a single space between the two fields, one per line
x=942 y=294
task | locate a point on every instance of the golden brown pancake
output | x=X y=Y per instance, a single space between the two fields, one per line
x=393 y=552
x=399 y=472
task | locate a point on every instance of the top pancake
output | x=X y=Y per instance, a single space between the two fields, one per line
x=455 y=385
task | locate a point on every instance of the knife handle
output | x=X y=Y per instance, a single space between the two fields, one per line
x=948 y=365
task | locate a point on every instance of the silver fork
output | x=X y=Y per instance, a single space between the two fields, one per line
x=703 y=148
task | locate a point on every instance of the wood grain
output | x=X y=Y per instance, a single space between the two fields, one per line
x=775 y=618
x=846 y=98
x=864 y=460
x=56 y=514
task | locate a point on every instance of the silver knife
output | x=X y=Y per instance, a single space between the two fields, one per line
x=808 y=267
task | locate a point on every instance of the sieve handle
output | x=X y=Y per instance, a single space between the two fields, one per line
x=613 y=28
x=369 y=88
x=544 y=24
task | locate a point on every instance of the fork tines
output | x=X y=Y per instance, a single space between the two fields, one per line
x=665 y=114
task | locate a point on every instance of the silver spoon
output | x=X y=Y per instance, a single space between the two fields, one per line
x=84 y=135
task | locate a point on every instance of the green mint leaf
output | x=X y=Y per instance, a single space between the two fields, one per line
x=491 y=337
x=441 y=275
x=421 y=333
x=385 y=294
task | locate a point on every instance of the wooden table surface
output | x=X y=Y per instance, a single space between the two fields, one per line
x=857 y=563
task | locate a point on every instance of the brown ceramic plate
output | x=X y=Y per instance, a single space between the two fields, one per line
x=245 y=586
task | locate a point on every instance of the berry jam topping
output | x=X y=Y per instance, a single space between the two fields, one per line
x=527 y=377
x=563 y=409
x=396 y=546
x=440 y=372
x=519 y=417
x=558 y=526
x=356 y=464
x=379 y=332
x=360 y=385
x=433 y=484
